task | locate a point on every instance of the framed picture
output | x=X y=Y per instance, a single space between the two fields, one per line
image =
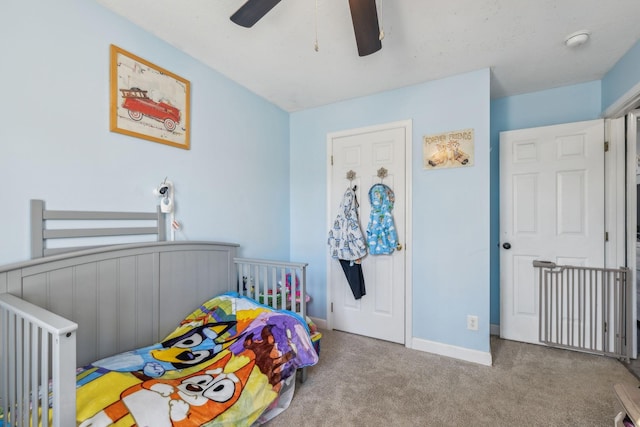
x=147 y=101
x=453 y=149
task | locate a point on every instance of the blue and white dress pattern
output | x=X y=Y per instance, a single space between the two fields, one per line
x=382 y=237
x=346 y=240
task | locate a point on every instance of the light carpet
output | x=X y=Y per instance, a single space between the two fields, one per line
x=361 y=381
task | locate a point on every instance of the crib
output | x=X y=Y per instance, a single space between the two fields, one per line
x=61 y=311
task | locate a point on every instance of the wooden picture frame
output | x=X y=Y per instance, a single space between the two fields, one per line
x=148 y=101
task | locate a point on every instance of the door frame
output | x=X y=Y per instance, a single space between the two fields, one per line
x=406 y=239
x=632 y=215
x=621 y=201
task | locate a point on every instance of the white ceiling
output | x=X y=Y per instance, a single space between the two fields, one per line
x=522 y=41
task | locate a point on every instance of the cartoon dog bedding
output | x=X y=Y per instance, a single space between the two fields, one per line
x=228 y=363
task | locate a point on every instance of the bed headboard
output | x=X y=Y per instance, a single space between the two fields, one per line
x=137 y=224
x=124 y=296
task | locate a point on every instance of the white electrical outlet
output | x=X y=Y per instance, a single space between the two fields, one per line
x=472 y=322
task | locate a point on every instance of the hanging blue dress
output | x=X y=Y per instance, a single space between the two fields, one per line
x=382 y=237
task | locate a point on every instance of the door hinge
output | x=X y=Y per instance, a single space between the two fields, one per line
x=606 y=236
x=332 y=307
x=606 y=146
x=332 y=160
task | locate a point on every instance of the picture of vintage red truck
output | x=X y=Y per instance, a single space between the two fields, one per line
x=138 y=105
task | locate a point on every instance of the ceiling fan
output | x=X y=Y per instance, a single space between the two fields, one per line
x=363 y=14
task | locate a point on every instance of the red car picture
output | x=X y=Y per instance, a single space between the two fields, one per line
x=138 y=105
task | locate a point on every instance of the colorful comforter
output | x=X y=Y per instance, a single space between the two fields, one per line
x=227 y=363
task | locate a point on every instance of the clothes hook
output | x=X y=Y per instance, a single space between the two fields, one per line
x=351 y=175
x=382 y=173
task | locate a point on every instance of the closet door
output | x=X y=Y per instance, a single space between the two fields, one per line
x=381 y=312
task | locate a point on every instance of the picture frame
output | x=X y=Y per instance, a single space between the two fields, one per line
x=452 y=149
x=147 y=101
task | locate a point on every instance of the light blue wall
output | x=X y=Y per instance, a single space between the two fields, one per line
x=242 y=181
x=236 y=182
x=554 y=106
x=55 y=142
x=622 y=77
x=450 y=238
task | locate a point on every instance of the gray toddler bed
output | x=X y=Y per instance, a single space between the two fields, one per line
x=68 y=309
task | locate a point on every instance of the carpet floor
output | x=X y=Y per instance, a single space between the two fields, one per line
x=361 y=381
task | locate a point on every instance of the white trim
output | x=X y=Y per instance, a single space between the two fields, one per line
x=624 y=104
x=620 y=202
x=632 y=218
x=328 y=214
x=320 y=323
x=408 y=246
x=461 y=353
x=408 y=243
x=615 y=193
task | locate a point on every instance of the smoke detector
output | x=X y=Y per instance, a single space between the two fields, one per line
x=577 y=39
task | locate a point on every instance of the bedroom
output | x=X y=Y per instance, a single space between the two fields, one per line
x=247 y=152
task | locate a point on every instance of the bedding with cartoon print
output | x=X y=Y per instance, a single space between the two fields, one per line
x=227 y=364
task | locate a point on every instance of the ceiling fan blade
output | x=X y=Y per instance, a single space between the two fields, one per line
x=252 y=11
x=365 y=25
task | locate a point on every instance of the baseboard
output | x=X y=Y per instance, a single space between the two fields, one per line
x=461 y=353
x=320 y=323
x=494 y=329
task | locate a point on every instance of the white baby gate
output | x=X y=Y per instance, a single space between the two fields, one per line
x=585 y=308
x=37 y=349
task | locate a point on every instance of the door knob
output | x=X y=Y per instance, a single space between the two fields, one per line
x=506 y=245
x=399 y=246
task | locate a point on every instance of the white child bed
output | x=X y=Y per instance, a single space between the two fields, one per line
x=71 y=309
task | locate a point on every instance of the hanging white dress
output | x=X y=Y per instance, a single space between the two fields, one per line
x=346 y=240
x=347 y=243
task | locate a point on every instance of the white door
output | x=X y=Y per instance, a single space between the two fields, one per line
x=381 y=312
x=551 y=209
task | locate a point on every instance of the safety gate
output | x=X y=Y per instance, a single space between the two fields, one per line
x=585 y=308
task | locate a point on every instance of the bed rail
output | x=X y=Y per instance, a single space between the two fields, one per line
x=37 y=351
x=41 y=234
x=585 y=308
x=277 y=284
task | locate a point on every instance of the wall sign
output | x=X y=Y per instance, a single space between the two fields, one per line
x=453 y=149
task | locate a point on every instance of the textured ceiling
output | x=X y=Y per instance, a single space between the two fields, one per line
x=522 y=41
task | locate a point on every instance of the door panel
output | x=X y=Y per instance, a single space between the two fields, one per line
x=525 y=289
x=381 y=312
x=551 y=209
